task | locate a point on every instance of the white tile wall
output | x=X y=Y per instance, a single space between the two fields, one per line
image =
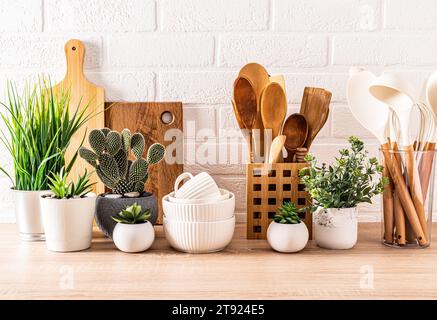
x=191 y=50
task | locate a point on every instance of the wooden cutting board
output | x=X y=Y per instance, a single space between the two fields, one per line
x=83 y=92
x=149 y=119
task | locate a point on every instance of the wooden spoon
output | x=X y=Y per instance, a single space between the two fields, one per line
x=259 y=78
x=245 y=106
x=275 y=154
x=315 y=108
x=273 y=109
x=296 y=131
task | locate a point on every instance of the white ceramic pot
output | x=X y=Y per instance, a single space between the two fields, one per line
x=201 y=186
x=200 y=212
x=68 y=223
x=133 y=237
x=199 y=237
x=287 y=237
x=28 y=214
x=336 y=228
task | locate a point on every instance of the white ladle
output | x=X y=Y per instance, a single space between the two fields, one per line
x=374 y=115
x=390 y=89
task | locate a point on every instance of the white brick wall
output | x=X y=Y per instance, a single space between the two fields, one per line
x=191 y=50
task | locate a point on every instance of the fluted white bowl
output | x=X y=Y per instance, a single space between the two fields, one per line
x=199 y=237
x=224 y=194
x=199 y=212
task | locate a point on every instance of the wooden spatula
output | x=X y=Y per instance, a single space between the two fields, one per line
x=315 y=108
x=84 y=92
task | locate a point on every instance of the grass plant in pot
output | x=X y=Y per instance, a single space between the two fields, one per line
x=287 y=233
x=133 y=231
x=126 y=178
x=337 y=189
x=36 y=131
x=68 y=213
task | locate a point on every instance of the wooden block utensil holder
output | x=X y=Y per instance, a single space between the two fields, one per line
x=268 y=187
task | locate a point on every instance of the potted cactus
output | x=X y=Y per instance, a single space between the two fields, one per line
x=133 y=231
x=126 y=178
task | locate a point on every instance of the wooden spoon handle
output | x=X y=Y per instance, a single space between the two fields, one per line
x=399 y=220
x=404 y=195
x=387 y=198
x=426 y=167
x=415 y=188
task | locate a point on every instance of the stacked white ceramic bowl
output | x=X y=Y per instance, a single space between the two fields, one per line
x=199 y=216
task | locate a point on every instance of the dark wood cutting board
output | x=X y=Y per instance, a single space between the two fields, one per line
x=147 y=118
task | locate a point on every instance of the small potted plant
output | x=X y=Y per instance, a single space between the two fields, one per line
x=68 y=213
x=133 y=231
x=338 y=189
x=287 y=233
x=126 y=178
x=36 y=131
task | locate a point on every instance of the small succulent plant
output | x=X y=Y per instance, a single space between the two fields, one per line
x=132 y=215
x=110 y=159
x=288 y=213
x=63 y=190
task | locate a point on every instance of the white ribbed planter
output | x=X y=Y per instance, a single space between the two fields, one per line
x=336 y=228
x=133 y=237
x=68 y=223
x=28 y=214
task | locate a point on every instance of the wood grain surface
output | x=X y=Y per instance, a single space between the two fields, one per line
x=82 y=93
x=146 y=118
x=245 y=269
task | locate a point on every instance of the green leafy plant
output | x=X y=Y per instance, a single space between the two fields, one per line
x=64 y=190
x=110 y=158
x=347 y=182
x=132 y=215
x=37 y=130
x=288 y=213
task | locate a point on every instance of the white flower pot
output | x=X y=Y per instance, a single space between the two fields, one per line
x=28 y=214
x=133 y=237
x=68 y=223
x=336 y=228
x=287 y=237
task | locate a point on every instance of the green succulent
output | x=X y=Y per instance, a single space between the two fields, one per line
x=64 y=190
x=110 y=157
x=352 y=179
x=288 y=213
x=132 y=215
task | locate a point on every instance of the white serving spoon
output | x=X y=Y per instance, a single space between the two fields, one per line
x=392 y=90
x=374 y=115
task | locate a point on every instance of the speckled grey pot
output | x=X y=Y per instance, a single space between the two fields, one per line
x=108 y=207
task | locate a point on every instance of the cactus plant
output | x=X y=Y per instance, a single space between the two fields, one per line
x=109 y=156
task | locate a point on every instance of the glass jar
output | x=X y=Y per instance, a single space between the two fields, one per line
x=407 y=199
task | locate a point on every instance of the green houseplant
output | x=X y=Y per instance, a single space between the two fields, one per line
x=287 y=233
x=37 y=128
x=109 y=155
x=68 y=212
x=133 y=231
x=336 y=191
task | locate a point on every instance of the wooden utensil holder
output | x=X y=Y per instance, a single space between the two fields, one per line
x=268 y=187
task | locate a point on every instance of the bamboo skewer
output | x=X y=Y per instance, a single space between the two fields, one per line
x=387 y=198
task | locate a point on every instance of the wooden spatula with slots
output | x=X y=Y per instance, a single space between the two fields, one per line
x=315 y=108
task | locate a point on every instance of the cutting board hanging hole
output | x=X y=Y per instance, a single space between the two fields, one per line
x=73 y=48
x=167 y=117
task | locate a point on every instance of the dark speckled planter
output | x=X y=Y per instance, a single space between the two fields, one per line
x=108 y=207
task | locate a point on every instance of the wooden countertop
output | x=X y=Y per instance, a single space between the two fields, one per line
x=247 y=269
